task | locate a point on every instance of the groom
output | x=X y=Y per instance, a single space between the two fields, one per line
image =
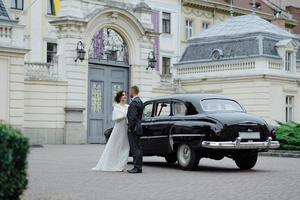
x=135 y=130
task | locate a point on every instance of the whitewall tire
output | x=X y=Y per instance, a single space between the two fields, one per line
x=187 y=158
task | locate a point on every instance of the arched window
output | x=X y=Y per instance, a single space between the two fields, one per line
x=107 y=44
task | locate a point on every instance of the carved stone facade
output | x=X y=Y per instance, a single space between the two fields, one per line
x=109 y=33
x=57 y=98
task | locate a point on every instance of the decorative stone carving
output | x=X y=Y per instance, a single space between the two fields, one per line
x=217 y=54
x=197 y=12
x=69 y=27
x=107 y=44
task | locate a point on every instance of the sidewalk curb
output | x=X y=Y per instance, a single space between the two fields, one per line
x=281 y=153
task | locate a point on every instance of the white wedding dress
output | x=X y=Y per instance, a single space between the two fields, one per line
x=116 y=152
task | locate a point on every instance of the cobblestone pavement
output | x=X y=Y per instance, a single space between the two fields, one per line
x=64 y=173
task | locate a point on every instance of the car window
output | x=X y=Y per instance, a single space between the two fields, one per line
x=148 y=110
x=179 y=109
x=212 y=105
x=163 y=109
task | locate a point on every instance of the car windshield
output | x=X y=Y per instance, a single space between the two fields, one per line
x=213 y=105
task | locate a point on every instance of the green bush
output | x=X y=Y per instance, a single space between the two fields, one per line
x=14 y=149
x=288 y=134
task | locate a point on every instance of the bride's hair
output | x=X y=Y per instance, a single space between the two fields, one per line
x=119 y=96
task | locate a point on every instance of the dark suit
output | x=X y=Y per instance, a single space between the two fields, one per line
x=135 y=130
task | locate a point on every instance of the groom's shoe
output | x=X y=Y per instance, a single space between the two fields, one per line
x=134 y=171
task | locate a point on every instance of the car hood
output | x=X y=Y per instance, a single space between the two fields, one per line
x=232 y=118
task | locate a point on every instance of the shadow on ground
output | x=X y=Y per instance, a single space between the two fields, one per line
x=202 y=168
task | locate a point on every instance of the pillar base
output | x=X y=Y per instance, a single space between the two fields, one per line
x=74 y=132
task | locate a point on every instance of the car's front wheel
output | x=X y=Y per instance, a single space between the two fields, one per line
x=187 y=158
x=246 y=161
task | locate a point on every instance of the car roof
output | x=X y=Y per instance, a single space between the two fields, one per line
x=191 y=97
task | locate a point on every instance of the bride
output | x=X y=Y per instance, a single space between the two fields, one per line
x=116 y=152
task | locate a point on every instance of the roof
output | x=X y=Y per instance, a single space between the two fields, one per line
x=3 y=12
x=229 y=49
x=295 y=11
x=241 y=25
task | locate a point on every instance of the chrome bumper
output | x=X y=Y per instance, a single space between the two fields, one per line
x=269 y=144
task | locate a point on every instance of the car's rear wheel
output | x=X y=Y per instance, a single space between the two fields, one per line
x=187 y=158
x=245 y=162
x=171 y=158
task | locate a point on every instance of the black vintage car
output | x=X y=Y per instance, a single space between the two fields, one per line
x=186 y=127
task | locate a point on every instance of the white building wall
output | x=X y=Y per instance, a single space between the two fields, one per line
x=16 y=104
x=169 y=43
x=4 y=77
x=12 y=88
x=36 y=38
x=38 y=31
x=44 y=113
x=259 y=96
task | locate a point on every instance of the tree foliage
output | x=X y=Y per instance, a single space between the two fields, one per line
x=14 y=149
x=288 y=134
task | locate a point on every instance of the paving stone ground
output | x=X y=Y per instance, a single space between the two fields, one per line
x=63 y=172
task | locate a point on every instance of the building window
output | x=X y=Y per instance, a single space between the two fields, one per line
x=288 y=61
x=188 y=29
x=205 y=26
x=166 y=66
x=289 y=110
x=51 y=51
x=50 y=7
x=166 y=22
x=17 y=4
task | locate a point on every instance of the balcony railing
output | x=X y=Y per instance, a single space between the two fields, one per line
x=40 y=71
x=276 y=65
x=213 y=67
x=227 y=67
x=5 y=33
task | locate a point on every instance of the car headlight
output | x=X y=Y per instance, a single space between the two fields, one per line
x=217 y=130
x=273 y=134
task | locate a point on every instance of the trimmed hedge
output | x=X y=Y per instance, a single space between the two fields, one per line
x=288 y=134
x=14 y=149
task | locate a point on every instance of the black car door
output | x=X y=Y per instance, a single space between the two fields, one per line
x=146 y=122
x=156 y=138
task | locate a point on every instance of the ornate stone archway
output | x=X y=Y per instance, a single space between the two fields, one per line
x=132 y=26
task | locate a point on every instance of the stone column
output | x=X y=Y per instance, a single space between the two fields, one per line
x=71 y=8
x=70 y=31
x=142 y=77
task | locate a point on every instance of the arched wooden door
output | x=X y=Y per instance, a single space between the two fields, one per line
x=108 y=73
